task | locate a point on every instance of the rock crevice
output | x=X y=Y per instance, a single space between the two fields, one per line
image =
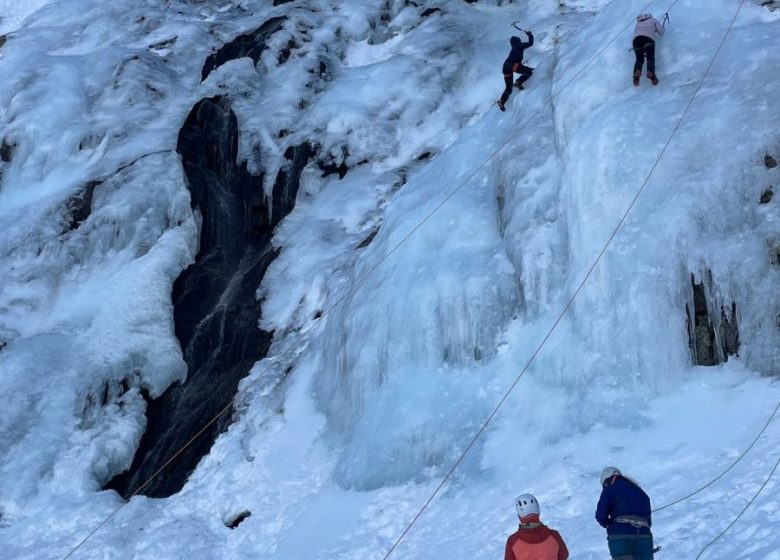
x=251 y=45
x=713 y=329
x=216 y=312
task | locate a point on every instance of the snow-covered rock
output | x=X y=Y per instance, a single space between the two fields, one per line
x=434 y=243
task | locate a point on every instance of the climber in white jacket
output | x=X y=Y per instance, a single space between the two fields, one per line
x=647 y=27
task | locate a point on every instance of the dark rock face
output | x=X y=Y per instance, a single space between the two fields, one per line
x=333 y=164
x=729 y=331
x=367 y=241
x=770 y=162
x=79 y=206
x=251 y=45
x=6 y=151
x=766 y=196
x=711 y=339
x=286 y=52
x=215 y=308
x=236 y=520
x=701 y=332
x=774 y=254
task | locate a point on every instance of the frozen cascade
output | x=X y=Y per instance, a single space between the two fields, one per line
x=461 y=290
x=378 y=110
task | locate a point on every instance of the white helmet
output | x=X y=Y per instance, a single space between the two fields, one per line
x=608 y=473
x=526 y=504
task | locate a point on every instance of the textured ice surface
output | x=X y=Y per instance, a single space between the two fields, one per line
x=342 y=434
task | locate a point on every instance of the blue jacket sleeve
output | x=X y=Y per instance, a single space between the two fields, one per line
x=648 y=510
x=602 y=509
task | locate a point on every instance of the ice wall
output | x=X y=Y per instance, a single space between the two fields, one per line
x=358 y=410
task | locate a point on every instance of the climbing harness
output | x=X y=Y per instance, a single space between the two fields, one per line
x=634 y=520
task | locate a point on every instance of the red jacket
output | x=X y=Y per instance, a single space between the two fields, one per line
x=535 y=542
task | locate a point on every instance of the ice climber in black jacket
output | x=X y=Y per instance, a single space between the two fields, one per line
x=514 y=63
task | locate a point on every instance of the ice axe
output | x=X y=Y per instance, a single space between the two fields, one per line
x=514 y=24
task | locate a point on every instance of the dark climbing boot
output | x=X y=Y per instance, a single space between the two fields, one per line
x=653 y=78
x=501 y=105
x=637 y=75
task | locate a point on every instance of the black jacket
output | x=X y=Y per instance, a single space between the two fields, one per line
x=515 y=58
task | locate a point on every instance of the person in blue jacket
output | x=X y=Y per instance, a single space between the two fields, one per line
x=624 y=511
x=514 y=63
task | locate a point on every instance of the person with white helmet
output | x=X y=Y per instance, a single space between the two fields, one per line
x=533 y=540
x=647 y=27
x=624 y=511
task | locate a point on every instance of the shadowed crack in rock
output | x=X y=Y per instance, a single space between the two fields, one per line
x=712 y=336
x=251 y=45
x=215 y=309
